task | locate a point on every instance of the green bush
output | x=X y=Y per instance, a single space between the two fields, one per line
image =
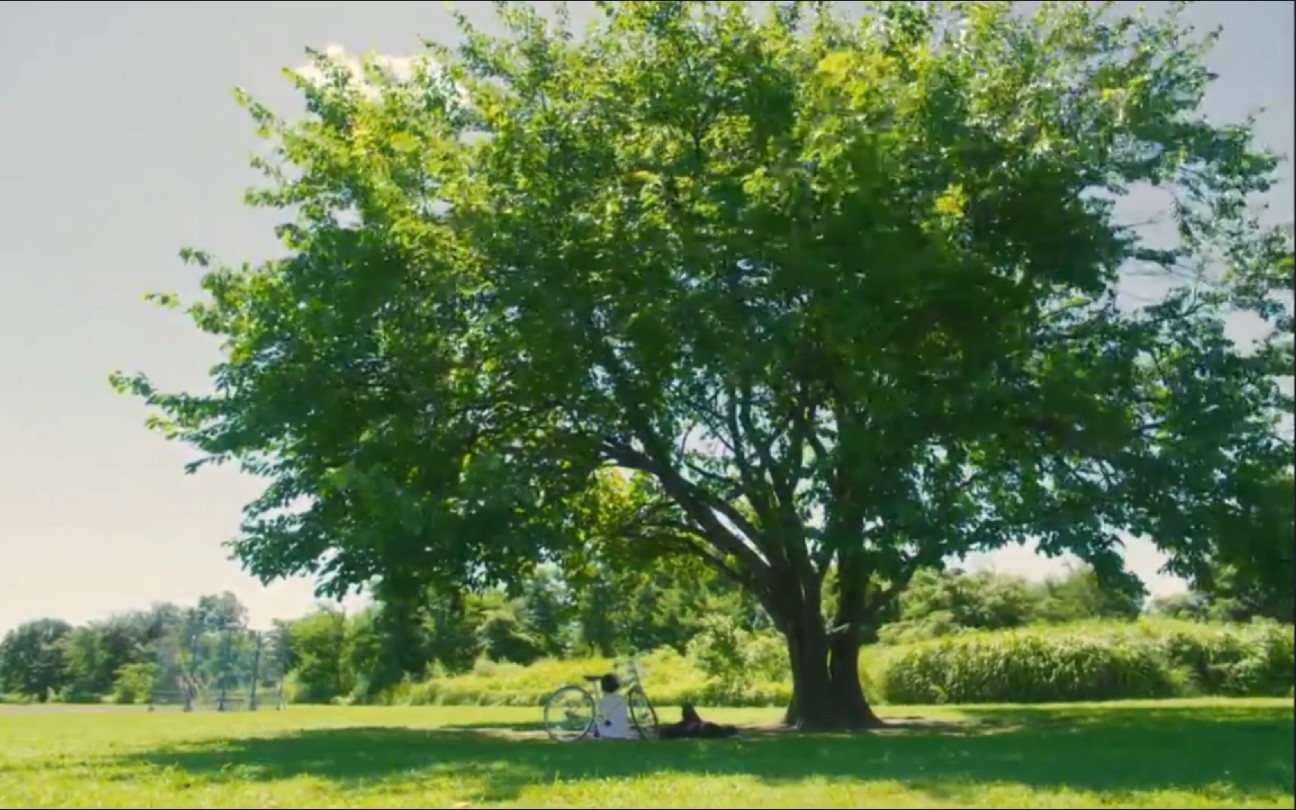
x=718 y=650
x=1094 y=661
x=1239 y=660
x=937 y=624
x=736 y=660
x=133 y=683
x=669 y=678
x=16 y=698
x=1026 y=667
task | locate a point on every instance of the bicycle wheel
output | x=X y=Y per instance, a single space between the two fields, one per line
x=569 y=714
x=642 y=713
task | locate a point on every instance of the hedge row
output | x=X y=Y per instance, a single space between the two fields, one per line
x=1095 y=662
x=670 y=679
x=1079 y=662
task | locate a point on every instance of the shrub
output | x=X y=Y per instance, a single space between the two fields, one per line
x=669 y=678
x=736 y=659
x=133 y=683
x=937 y=624
x=16 y=698
x=766 y=658
x=719 y=650
x=1240 y=660
x=1026 y=667
x=1094 y=661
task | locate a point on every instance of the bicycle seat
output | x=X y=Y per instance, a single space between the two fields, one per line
x=593 y=678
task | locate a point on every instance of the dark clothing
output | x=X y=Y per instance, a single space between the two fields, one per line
x=692 y=726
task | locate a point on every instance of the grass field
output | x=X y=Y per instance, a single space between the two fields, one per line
x=1163 y=754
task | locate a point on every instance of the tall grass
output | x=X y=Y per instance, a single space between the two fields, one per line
x=1095 y=661
x=1087 y=661
x=670 y=678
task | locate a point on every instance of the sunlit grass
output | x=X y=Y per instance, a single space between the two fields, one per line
x=1157 y=754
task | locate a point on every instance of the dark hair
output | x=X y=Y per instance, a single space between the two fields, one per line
x=610 y=683
x=690 y=714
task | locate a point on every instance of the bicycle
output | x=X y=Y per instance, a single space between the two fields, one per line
x=571 y=711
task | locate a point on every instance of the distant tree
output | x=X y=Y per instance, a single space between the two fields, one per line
x=981 y=600
x=95 y=652
x=1083 y=594
x=322 y=663
x=600 y=612
x=501 y=629
x=32 y=659
x=1192 y=606
x=215 y=612
x=87 y=666
x=452 y=640
x=550 y=609
x=830 y=294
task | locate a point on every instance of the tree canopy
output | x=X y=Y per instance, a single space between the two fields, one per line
x=807 y=299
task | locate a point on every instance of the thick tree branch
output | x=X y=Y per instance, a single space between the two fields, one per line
x=701 y=507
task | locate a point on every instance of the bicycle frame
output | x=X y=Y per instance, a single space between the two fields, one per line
x=635 y=679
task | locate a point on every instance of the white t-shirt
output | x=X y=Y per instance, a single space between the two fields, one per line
x=614 y=718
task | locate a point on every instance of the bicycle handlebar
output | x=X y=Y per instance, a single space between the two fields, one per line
x=632 y=665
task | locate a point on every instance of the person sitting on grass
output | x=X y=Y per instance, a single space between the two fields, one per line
x=613 y=712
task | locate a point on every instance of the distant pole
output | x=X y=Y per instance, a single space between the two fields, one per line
x=187 y=671
x=256 y=670
x=222 y=668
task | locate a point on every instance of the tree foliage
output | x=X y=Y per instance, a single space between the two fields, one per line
x=788 y=294
x=31 y=658
x=938 y=603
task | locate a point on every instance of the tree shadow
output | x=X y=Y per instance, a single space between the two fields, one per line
x=536 y=727
x=748 y=730
x=1246 y=752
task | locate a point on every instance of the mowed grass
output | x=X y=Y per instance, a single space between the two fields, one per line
x=1160 y=754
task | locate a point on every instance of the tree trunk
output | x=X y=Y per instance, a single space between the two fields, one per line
x=826 y=690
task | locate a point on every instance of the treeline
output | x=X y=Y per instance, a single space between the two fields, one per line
x=164 y=652
x=373 y=654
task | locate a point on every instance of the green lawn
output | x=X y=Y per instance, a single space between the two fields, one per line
x=1164 y=754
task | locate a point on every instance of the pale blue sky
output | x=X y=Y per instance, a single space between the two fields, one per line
x=121 y=143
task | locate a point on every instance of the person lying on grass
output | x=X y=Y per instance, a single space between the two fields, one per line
x=692 y=726
x=614 y=718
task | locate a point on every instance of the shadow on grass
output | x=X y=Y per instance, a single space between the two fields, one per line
x=1244 y=751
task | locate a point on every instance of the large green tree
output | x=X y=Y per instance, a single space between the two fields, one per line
x=787 y=292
